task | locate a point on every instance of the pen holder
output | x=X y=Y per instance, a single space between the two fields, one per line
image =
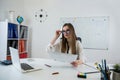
x=105 y=76
x=115 y=76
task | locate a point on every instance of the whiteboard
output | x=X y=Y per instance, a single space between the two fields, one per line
x=92 y=30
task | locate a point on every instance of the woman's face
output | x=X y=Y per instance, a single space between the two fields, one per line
x=66 y=32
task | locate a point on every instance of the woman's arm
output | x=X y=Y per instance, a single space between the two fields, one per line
x=57 y=34
x=79 y=51
x=53 y=46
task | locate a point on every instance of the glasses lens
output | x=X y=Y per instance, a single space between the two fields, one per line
x=67 y=31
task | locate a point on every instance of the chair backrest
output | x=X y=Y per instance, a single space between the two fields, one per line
x=79 y=38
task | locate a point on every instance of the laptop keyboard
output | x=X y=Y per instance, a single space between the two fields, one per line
x=26 y=66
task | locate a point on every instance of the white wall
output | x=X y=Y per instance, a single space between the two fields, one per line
x=42 y=33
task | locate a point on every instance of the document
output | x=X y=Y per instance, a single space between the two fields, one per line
x=63 y=57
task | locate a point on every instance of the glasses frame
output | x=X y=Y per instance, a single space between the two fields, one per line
x=67 y=31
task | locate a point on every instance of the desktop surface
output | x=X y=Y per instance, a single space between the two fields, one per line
x=51 y=70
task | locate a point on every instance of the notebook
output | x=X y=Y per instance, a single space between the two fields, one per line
x=63 y=57
x=23 y=67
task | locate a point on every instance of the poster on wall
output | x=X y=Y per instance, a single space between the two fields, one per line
x=92 y=30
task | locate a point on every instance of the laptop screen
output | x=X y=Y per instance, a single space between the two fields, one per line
x=15 y=57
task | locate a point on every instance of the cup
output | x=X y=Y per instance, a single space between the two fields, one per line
x=106 y=76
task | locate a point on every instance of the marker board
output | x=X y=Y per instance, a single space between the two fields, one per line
x=92 y=30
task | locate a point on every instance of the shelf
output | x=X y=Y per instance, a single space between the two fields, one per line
x=16 y=36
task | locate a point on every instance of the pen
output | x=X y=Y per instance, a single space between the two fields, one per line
x=89 y=66
x=105 y=65
x=96 y=65
x=48 y=65
x=101 y=68
x=106 y=69
x=92 y=72
x=103 y=72
x=55 y=73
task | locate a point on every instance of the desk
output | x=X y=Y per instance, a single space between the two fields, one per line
x=66 y=71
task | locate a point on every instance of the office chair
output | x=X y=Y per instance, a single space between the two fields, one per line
x=79 y=38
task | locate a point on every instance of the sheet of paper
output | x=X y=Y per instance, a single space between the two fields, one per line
x=64 y=57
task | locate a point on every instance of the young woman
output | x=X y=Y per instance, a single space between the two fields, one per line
x=67 y=44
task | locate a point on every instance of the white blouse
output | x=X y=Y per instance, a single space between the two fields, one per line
x=57 y=48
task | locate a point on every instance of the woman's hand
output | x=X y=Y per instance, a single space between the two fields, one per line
x=76 y=63
x=57 y=34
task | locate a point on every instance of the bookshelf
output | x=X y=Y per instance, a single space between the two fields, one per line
x=16 y=36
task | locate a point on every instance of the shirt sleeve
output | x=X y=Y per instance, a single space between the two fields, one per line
x=54 y=48
x=80 y=52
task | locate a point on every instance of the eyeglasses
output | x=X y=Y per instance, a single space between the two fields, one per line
x=67 y=31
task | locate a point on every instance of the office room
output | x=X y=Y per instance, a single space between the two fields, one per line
x=44 y=17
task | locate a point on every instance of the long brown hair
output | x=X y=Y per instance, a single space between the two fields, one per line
x=64 y=43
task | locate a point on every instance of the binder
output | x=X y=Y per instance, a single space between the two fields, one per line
x=12 y=30
x=21 y=32
x=22 y=46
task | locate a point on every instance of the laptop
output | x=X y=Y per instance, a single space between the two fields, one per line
x=23 y=67
x=63 y=57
